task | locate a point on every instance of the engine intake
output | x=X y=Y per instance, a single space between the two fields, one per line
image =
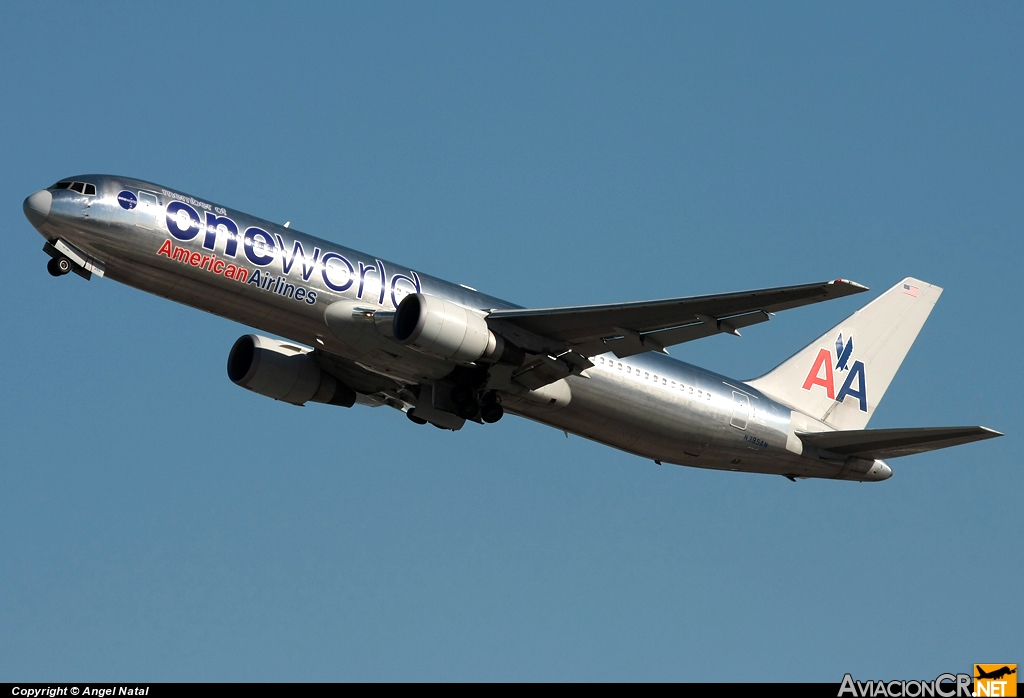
x=284 y=372
x=443 y=329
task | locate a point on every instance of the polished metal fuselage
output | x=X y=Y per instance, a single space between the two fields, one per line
x=650 y=405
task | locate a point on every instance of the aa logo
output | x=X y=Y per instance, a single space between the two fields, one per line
x=995 y=679
x=824 y=375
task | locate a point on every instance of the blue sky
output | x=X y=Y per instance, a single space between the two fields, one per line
x=159 y=523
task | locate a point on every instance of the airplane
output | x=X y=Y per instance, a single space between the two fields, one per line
x=359 y=329
x=996 y=674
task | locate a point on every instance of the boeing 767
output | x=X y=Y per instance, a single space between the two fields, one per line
x=358 y=329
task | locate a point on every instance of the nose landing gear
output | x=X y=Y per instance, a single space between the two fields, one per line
x=58 y=266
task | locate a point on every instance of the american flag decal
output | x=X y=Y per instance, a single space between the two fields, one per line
x=910 y=290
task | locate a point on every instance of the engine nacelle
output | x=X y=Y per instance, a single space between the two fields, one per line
x=284 y=372
x=443 y=329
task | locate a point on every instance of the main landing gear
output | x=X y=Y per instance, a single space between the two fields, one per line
x=464 y=399
x=58 y=266
x=467 y=406
x=491 y=410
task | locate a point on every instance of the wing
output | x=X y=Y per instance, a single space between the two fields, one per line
x=893 y=443
x=574 y=333
x=633 y=328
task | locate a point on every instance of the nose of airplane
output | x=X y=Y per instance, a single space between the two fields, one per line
x=37 y=207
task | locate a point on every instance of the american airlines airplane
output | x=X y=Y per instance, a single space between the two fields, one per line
x=364 y=330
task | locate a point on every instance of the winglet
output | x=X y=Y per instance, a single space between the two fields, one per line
x=846 y=282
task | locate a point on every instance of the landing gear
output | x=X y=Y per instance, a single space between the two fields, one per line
x=491 y=410
x=465 y=401
x=488 y=407
x=58 y=266
x=491 y=413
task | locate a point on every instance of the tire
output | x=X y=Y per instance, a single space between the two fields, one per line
x=491 y=412
x=466 y=411
x=462 y=395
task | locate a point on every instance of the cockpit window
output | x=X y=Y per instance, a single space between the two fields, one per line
x=80 y=187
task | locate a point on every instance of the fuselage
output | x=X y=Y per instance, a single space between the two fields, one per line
x=281 y=281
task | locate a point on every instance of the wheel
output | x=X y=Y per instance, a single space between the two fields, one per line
x=491 y=412
x=467 y=410
x=58 y=266
x=465 y=401
x=462 y=395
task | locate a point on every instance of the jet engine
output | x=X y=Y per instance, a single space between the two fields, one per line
x=284 y=372
x=448 y=331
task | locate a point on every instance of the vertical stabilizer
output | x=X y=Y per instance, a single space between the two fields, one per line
x=841 y=377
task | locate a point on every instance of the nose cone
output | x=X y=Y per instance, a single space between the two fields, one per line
x=37 y=207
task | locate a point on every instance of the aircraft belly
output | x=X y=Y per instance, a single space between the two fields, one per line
x=657 y=425
x=644 y=421
x=130 y=257
x=636 y=421
x=225 y=302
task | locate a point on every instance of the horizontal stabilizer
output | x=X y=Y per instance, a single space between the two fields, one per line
x=893 y=443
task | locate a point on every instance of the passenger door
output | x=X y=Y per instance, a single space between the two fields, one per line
x=149 y=209
x=740 y=410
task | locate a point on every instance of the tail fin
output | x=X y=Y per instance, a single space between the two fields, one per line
x=841 y=377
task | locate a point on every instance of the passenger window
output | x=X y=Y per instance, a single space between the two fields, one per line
x=655 y=378
x=647 y=376
x=663 y=381
x=698 y=393
x=620 y=365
